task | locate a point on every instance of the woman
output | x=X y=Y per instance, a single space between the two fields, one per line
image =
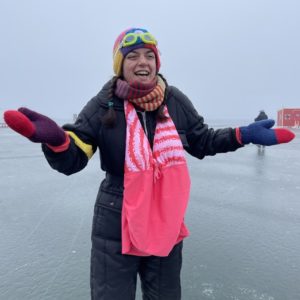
x=142 y=127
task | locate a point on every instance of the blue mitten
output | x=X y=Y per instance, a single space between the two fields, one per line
x=261 y=133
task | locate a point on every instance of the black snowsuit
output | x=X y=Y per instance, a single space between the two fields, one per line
x=113 y=275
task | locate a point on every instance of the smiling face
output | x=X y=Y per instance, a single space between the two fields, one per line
x=139 y=66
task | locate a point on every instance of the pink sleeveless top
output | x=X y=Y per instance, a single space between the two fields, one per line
x=156 y=188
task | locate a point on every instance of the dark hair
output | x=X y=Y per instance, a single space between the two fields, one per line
x=109 y=119
x=160 y=113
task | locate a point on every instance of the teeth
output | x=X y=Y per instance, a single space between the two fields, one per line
x=142 y=73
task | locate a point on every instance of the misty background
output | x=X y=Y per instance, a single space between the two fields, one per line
x=231 y=58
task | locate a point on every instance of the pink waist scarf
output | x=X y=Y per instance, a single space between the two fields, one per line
x=156 y=188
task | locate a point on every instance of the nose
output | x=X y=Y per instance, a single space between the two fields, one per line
x=142 y=60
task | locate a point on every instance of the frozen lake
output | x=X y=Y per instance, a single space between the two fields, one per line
x=243 y=215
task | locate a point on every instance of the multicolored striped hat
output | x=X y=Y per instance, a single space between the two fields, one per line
x=120 y=50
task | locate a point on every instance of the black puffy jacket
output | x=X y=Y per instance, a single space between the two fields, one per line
x=197 y=139
x=88 y=134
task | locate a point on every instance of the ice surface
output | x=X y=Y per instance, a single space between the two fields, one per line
x=244 y=218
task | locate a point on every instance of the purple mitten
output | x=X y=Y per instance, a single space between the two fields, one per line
x=36 y=127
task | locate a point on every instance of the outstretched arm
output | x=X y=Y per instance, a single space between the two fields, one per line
x=61 y=151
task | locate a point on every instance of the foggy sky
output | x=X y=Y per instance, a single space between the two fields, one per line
x=232 y=58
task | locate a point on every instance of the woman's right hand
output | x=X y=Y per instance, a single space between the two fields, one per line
x=36 y=127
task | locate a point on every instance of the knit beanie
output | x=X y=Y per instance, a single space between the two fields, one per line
x=120 y=51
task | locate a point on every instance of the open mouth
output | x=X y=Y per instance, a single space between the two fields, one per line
x=142 y=73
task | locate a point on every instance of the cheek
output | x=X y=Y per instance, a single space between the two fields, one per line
x=127 y=70
x=153 y=65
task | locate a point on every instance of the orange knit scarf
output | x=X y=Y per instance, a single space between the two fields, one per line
x=148 y=97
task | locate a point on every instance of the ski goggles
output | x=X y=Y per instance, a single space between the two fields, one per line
x=134 y=38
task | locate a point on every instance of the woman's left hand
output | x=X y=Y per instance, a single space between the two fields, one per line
x=261 y=133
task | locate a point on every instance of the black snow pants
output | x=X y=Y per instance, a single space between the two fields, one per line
x=114 y=275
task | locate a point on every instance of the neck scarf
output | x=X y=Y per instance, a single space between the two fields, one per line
x=146 y=96
x=156 y=188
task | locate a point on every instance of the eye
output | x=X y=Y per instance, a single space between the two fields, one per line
x=131 y=56
x=151 y=55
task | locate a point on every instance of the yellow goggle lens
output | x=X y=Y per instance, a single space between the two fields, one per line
x=131 y=38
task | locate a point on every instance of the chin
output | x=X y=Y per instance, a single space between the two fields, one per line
x=144 y=80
